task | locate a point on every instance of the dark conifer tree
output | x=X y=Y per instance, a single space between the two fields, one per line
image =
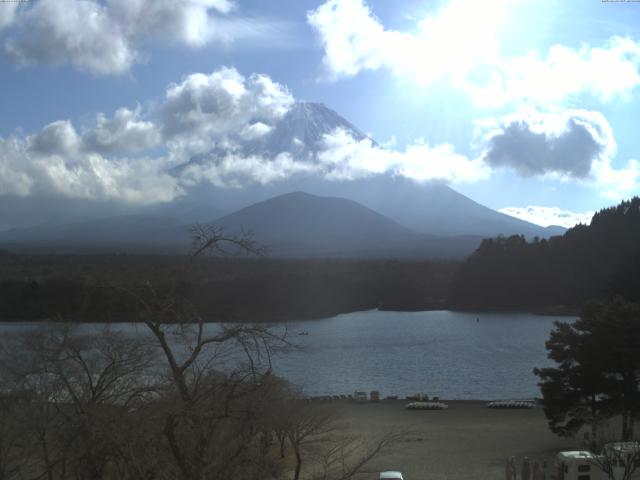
x=598 y=371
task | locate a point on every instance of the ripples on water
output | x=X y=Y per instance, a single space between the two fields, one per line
x=448 y=354
x=443 y=353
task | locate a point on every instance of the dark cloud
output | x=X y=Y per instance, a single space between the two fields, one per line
x=571 y=151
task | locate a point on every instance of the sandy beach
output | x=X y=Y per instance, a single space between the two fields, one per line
x=467 y=441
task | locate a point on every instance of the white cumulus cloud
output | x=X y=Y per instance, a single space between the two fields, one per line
x=601 y=72
x=222 y=102
x=345 y=158
x=108 y=37
x=74 y=31
x=129 y=156
x=236 y=171
x=460 y=43
x=546 y=216
x=197 y=131
x=451 y=42
x=184 y=21
x=127 y=131
x=53 y=163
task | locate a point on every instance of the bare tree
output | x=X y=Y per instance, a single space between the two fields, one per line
x=214 y=372
x=14 y=438
x=80 y=391
x=618 y=460
x=348 y=456
x=320 y=447
x=183 y=400
x=307 y=427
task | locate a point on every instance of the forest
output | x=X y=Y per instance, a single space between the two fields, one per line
x=559 y=274
x=99 y=288
x=556 y=275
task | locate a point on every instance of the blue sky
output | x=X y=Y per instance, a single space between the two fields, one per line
x=525 y=106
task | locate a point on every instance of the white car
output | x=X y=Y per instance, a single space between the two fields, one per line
x=391 y=475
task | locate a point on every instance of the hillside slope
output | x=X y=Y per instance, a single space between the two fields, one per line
x=601 y=259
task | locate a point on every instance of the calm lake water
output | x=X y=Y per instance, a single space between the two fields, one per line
x=453 y=355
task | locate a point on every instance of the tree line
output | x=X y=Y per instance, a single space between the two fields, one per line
x=594 y=389
x=92 y=288
x=598 y=260
x=597 y=376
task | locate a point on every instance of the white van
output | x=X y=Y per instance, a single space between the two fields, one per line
x=584 y=465
x=578 y=465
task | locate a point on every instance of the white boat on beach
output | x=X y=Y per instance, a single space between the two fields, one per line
x=426 y=406
x=511 y=404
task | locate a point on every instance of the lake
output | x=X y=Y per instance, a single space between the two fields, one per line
x=453 y=355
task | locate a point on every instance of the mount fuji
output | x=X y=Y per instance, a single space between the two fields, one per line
x=412 y=219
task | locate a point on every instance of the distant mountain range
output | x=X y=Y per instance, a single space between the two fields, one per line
x=291 y=225
x=126 y=233
x=378 y=216
x=434 y=208
x=430 y=208
x=299 y=224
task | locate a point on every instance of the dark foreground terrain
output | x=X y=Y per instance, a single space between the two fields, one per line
x=102 y=288
x=466 y=441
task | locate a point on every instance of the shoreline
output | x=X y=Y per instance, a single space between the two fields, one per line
x=560 y=312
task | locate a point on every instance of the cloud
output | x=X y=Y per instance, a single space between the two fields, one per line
x=345 y=158
x=57 y=138
x=546 y=216
x=255 y=131
x=340 y=157
x=188 y=22
x=79 y=32
x=617 y=183
x=125 y=132
x=600 y=72
x=106 y=38
x=129 y=156
x=7 y=13
x=575 y=144
x=451 y=42
x=198 y=131
x=234 y=170
x=221 y=103
x=460 y=44
x=536 y=144
x=53 y=163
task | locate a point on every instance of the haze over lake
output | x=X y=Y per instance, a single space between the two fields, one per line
x=453 y=355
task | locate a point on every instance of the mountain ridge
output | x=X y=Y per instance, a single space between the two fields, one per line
x=293 y=225
x=429 y=209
